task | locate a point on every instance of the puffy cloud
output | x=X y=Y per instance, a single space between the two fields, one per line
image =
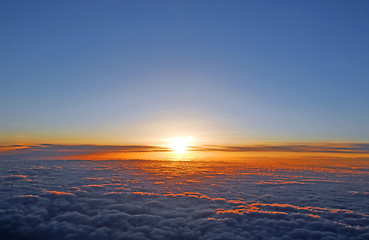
x=110 y=200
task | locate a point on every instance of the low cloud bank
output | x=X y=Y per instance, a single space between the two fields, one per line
x=55 y=151
x=308 y=148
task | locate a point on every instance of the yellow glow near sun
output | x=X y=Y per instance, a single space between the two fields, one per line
x=180 y=144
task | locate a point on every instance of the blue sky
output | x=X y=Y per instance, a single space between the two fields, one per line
x=222 y=71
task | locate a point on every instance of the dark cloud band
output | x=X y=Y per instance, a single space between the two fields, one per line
x=53 y=151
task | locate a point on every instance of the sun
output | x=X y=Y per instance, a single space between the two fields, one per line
x=180 y=144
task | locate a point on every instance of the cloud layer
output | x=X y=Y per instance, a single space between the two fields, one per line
x=309 y=148
x=181 y=200
x=55 y=151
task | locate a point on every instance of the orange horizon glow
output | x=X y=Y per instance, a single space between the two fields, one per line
x=184 y=148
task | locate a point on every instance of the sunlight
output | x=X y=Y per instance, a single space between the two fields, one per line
x=180 y=145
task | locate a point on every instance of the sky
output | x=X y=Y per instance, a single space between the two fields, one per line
x=223 y=119
x=224 y=72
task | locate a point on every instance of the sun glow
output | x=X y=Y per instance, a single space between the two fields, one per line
x=180 y=145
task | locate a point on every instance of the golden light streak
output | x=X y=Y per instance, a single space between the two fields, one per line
x=180 y=145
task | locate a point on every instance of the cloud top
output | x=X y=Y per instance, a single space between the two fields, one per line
x=122 y=200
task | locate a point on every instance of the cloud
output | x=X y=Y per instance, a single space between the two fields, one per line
x=57 y=151
x=309 y=148
x=54 y=200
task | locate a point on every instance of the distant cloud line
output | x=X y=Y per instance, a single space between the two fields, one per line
x=52 y=151
x=321 y=148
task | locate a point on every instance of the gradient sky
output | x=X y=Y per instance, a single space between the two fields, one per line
x=137 y=72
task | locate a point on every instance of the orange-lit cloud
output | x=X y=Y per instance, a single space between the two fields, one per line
x=314 y=147
x=56 y=151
